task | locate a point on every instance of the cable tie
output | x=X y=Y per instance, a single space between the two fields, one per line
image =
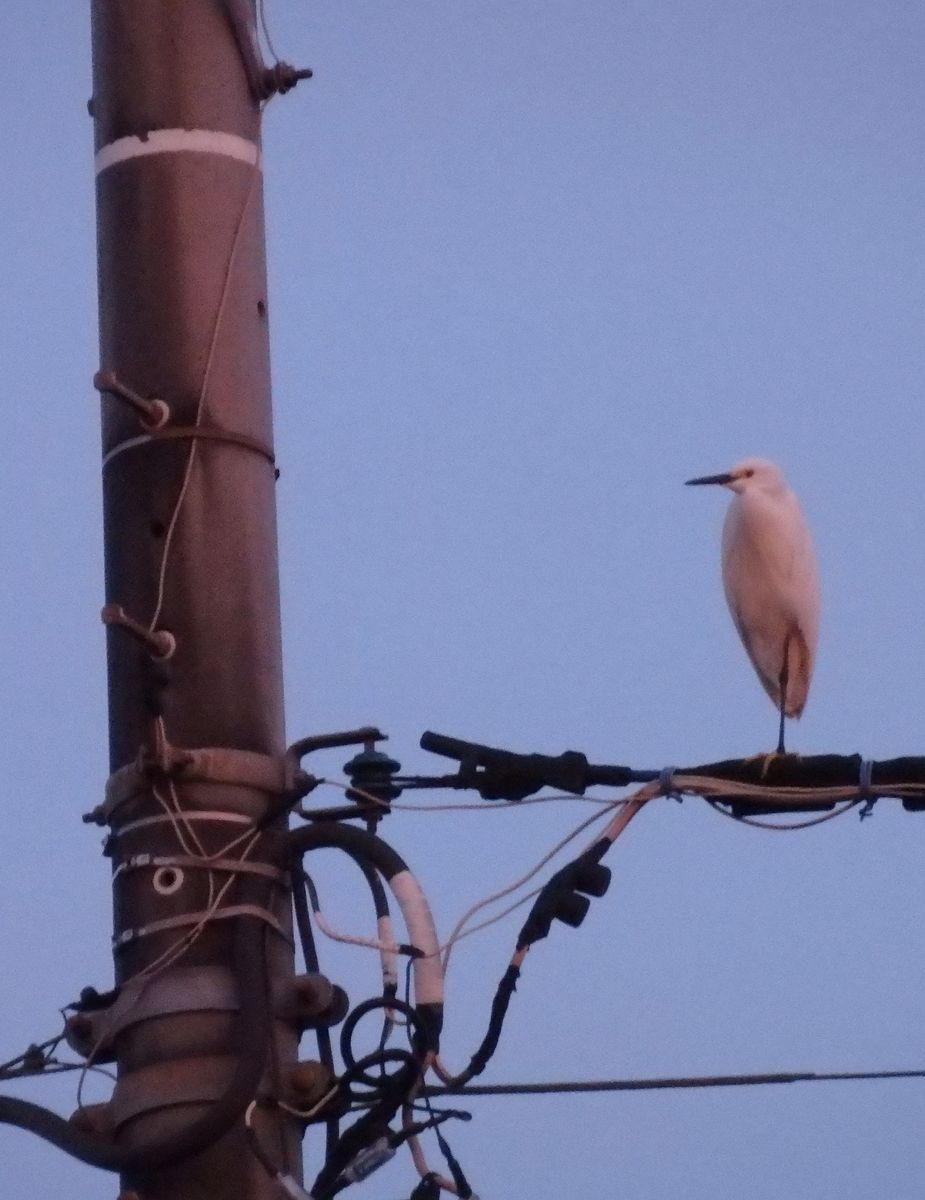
x=864 y=789
x=193 y=433
x=193 y=814
x=232 y=866
x=666 y=784
x=199 y=919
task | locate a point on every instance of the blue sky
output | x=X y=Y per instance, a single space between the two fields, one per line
x=531 y=266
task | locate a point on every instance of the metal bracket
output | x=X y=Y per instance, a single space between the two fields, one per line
x=169 y=1085
x=195 y=919
x=160 y=643
x=304 y=1001
x=153 y=413
x=328 y=741
x=210 y=764
x=279 y=776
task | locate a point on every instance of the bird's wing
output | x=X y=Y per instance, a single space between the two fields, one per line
x=799 y=673
x=770 y=683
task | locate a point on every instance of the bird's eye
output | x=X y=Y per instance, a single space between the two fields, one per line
x=750 y=472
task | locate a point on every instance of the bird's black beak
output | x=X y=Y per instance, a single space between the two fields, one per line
x=727 y=478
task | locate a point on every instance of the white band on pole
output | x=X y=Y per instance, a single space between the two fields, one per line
x=178 y=141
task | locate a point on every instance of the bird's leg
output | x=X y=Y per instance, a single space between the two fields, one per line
x=784 y=679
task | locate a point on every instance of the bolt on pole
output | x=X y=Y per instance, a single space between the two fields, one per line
x=192 y=595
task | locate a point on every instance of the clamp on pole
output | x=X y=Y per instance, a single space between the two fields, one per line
x=153 y=413
x=368 y=735
x=298 y=782
x=160 y=643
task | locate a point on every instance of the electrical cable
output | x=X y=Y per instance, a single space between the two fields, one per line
x=495 y=806
x=385 y=943
x=36 y=1053
x=363 y=846
x=418 y=1044
x=413 y=1141
x=447 y=947
x=310 y=954
x=462 y=1188
x=203 y=387
x=370 y=1128
x=261 y=10
x=668 y=1083
x=716 y=805
x=505 y=912
x=563 y=897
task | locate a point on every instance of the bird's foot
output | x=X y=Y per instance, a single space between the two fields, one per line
x=767 y=759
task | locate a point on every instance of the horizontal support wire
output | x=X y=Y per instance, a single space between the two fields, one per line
x=690 y=1081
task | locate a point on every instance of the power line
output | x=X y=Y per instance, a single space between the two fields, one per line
x=680 y=1082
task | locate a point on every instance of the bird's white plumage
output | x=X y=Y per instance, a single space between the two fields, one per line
x=771 y=580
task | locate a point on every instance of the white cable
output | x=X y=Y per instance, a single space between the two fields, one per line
x=203 y=388
x=354 y=939
x=799 y=797
x=481 y=806
x=495 y=805
x=447 y=947
x=261 y=8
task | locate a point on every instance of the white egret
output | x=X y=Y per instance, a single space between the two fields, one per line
x=771 y=581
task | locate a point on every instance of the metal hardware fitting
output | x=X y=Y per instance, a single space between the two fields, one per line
x=281 y=777
x=185 y=920
x=282 y=78
x=302 y=783
x=209 y=764
x=161 y=643
x=153 y=413
x=367 y=735
x=187 y=1081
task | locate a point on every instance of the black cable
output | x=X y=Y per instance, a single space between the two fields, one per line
x=368 y=851
x=381 y=907
x=504 y=774
x=380 y=900
x=359 y=1072
x=418 y=1044
x=499 y=1006
x=301 y=881
x=33 y=1059
x=641 y=1085
x=459 y=1178
x=395 y=1089
x=360 y=845
x=427 y=1189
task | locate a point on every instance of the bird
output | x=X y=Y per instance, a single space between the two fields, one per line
x=771 y=581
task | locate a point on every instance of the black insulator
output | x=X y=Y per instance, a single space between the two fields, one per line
x=373 y=771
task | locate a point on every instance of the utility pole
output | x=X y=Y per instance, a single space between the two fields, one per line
x=194 y=647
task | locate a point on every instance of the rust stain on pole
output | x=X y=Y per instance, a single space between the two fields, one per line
x=190 y=522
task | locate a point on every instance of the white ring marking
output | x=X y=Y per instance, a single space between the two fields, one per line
x=173 y=141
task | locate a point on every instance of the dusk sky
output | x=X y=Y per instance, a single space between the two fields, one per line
x=532 y=265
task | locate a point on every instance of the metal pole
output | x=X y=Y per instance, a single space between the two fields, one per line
x=191 y=561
